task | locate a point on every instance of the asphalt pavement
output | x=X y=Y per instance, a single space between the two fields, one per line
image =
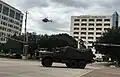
x=25 y=68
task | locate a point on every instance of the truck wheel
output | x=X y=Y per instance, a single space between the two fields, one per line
x=47 y=62
x=71 y=64
x=82 y=64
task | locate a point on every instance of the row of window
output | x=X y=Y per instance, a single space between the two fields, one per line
x=8 y=30
x=91 y=29
x=9 y=12
x=2 y=39
x=11 y=20
x=3 y=34
x=89 y=33
x=91 y=24
x=10 y=25
x=92 y=20
x=83 y=37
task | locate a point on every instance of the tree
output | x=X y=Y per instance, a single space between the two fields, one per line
x=110 y=37
x=14 y=45
x=59 y=40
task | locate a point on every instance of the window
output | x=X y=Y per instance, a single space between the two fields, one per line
x=89 y=46
x=84 y=24
x=76 y=24
x=90 y=28
x=21 y=17
x=12 y=13
x=5 y=10
x=9 y=30
x=106 y=28
x=97 y=38
x=11 y=20
x=83 y=28
x=76 y=32
x=99 y=24
x=90 y=33
x=83 y=37
x=20 y=29
x=90 y=41
x=77 y=20
x=17 y=16
x=106 y=24
x=107 y=20
x=76 y=28
x=0 y=8
x=91 y=24
x=8 y=35
x=3 y=23
x=16 y=27
x=17 y=23
x=9 y=25
x=98 y=33
x=0 y=28
x=83 y=33
x=76 y=37
x=90 y=37
x=4 y=18
x=84 y=20
x=99 y=20
x=98 y=28
x=2 y=39
x=1 y=33
x=6 y=24
x=20 y=25
x=91 y=20
x=21 y=21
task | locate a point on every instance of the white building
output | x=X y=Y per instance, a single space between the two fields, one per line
x=10 y=21
x=89 y=28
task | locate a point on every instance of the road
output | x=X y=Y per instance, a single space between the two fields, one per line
x=105 y=72
x=23 y=68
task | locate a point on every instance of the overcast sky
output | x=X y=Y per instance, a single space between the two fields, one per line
x=60 y=11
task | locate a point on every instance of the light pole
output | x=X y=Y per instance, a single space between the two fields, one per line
x=25 y=48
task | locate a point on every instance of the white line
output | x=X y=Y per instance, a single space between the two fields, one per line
x=13 y=74
x=84 y=73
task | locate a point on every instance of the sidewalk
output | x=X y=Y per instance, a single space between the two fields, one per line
x=105 y=72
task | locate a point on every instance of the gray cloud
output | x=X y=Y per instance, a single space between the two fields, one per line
x=35 y=3
x=73 y=3
x=60 y=12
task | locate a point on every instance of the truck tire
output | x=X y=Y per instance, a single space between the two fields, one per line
x=47 y=62
x=71 y=64
x=82 y=64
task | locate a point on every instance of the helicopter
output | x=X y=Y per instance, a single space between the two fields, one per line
x=46 y=20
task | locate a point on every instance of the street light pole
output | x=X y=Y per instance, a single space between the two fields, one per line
x=26 y=39
x=25 y=50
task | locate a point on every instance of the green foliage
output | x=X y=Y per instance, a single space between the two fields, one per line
x=40 y=41
x=110 y=37
x=54 y=41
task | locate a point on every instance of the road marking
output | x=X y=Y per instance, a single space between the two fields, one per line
x=84 y=73
x=16 y=75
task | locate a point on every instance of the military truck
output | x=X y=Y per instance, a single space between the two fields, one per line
x=72 y=57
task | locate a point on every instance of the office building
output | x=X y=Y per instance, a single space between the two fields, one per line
x=10 y=21
x=89 y=28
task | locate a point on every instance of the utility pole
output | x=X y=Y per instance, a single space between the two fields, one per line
x=26 y=39
x=25 y=50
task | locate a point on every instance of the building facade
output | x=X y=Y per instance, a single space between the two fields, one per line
x=90 y=28
x=10 y=21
